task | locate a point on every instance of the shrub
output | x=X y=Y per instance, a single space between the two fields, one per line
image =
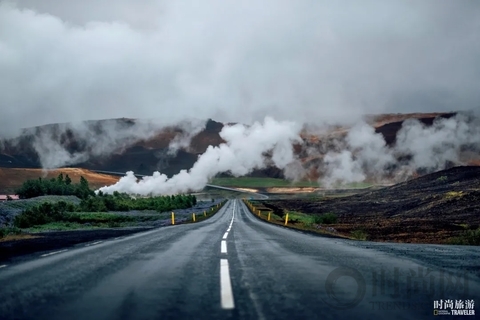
x=442 y=179
x=9 y=230
x=359 y=234
x=326 y=218
x=59 y=186
x=469 y=237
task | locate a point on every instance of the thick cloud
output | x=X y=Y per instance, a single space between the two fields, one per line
x=315 y=61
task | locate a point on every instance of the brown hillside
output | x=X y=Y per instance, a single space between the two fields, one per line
x=12 y=178
x=146 y=156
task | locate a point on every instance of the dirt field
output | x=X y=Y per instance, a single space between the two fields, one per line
x=429 y=209
x=12 y=178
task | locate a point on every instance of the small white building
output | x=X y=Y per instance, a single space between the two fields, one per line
x=4 y=197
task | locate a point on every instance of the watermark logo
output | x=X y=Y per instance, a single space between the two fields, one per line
x=399 y=289
x=451 y=307
x=334 y=298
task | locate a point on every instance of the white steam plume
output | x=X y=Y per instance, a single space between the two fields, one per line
x=417 y=147
x=243 y=152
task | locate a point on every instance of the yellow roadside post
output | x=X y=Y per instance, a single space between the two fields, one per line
x=193 y=215
x=173 y=218
x=204 y=213
x=286 y=219
x=269 y=216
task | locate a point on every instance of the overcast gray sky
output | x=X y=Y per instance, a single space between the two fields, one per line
x=235 y=60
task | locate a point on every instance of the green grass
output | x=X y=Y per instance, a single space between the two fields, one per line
x=28 y=203
x=66 y=226
x=299 y=217
x=326 y=218
x=92 y=220
x=251 y=182
x=61 y=226
x=359 y=235
x=469 y=237
x=8 y=231
x=309 y=220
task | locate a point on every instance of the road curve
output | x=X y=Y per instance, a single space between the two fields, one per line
x=233 y=266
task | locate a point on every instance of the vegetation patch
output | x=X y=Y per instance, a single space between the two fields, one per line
x=359 y=235
x=252 y=182
x=442 y=179
x=9 y=231
x=454 y=194
x=326 y=218
x=468 y=237
x=92 y=210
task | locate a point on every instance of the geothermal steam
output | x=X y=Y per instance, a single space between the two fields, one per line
x=244 y=150
x=364 y=154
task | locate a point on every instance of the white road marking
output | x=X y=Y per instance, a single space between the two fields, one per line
x=52 y=253
x=226 y=285
x=3 y=266
x=225 y=235
x=228 y=230
x=91 y=244
x=224 y=247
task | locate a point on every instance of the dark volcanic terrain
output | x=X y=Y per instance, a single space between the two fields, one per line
x=429 y=209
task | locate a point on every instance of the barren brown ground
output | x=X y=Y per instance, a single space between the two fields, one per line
x=429 y=209
x=12 y=178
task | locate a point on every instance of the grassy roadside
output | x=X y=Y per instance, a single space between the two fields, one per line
x=297 y=220
x=205 y=214
x=103 y=220
x=252 y=182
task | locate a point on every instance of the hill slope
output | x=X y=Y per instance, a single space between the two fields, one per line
x=431 y=208
x=149 y=151
x=12 y=178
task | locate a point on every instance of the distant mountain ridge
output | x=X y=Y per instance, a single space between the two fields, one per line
x=148 y=155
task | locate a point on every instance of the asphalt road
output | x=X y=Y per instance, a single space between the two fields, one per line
x=233 y=266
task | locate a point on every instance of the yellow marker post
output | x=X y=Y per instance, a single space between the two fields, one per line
x=193 y=215
x=286 y=219
x=173 y=218
x=204 y=213
x=269 y=216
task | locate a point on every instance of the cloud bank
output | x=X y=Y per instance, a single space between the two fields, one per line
x=307 y=61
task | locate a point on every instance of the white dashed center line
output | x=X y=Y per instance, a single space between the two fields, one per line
x=226 y=292
x=92 y=244
x=223 y=247
x=226 y=285
x=52 y=253
x=3 y=266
